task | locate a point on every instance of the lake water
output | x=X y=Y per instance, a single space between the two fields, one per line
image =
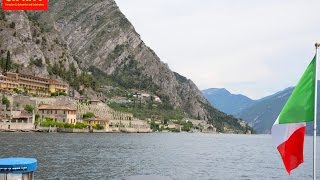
x=179 y=156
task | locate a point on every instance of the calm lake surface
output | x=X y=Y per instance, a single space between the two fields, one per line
x=179 y=156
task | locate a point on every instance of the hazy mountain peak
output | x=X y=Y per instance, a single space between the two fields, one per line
x=225 y=101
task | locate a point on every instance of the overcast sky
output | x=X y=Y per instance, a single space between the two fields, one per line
x=251 y=47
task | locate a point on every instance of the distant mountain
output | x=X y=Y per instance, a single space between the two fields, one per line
x=226 y=102
x=262 y=114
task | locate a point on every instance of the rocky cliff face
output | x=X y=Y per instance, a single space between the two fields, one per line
x=32 y=47
x=101 y=36
x=95 y=35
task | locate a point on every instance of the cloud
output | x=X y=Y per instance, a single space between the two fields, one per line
x=251 y=47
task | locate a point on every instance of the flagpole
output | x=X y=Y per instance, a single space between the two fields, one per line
x=315 y=116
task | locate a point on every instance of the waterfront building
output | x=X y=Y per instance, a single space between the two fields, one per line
x=10 y=81
x=16 y=120
x=58 y=113
x=174 y=126
x=97 y=120
x=23 y=117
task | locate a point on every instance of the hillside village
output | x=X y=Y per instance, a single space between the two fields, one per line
x=93 y=56
x=31 y=103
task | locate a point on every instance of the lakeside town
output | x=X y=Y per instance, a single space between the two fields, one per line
x=37 y=104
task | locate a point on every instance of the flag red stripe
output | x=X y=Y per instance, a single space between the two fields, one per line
x=291 y=151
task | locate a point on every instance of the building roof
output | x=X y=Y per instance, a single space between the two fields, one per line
x=50 y=81
x=23 y=116
x=55 y=82
x=96 y=119
x=53 y=107
x=31 y=76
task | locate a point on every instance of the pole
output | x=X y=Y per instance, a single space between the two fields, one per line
x=315 y=116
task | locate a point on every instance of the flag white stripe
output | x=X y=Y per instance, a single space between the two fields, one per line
x=282 y=132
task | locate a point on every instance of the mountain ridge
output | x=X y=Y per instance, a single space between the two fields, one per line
x=78 y=38
x=264 y=111
x=225 y=101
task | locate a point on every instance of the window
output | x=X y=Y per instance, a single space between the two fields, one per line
x=56 y=112
x=64 y=112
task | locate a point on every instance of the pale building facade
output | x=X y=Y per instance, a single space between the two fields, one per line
x=58 y=113
x=31 y=84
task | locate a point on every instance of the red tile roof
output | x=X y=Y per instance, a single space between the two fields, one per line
x=53 y=107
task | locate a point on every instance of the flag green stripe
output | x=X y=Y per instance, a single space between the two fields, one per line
x=300 y=105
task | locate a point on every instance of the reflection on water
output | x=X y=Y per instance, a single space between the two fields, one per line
x=179 y=156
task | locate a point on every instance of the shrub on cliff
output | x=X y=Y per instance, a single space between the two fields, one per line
x=88 y=115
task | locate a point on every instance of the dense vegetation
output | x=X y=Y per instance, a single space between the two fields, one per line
x=6 y=63
x=149 y=110
x=185 y=126
x=127 y=76
x=88 y=115
x=72 y=77
x=29 y=108
x=55 y=94
x=49 y=122
x=5 y=101
x=221 y=120
x=130 y=77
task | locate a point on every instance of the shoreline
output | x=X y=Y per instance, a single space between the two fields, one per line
x=86 y=131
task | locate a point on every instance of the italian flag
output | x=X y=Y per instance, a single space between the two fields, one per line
x=288 y=130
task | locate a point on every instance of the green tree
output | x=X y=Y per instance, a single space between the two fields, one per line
x=98 y=127
x=88 y=115
x=187 y=126
x=3 y=63
x=154 y=126
x=8 y=62
x=29 y=108
x=80 y=125
x=5 y=101
x=12 y=25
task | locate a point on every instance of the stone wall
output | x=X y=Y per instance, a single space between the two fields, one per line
x=16 y=126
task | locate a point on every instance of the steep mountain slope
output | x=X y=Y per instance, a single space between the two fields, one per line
x=32 y=47
x=77 y=36
x=226 y=102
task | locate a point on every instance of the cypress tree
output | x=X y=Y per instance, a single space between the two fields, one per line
x=8 y=62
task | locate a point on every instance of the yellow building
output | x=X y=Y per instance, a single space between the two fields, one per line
x=58 y=113
x=8 y=83
x=96 y=120
x=56 y=86
x=31 y=84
